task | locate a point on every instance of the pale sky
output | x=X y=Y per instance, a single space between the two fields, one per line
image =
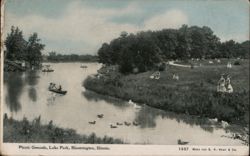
x=81 y=26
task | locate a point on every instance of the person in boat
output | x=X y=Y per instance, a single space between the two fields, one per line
x=52 y=86
x=60 y=88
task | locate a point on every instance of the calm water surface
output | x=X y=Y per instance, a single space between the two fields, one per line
x=26 y=94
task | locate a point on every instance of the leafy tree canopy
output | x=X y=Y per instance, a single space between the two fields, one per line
x=146 y=49
x=17 y=48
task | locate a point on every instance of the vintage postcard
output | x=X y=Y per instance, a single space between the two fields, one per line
x=124 y=77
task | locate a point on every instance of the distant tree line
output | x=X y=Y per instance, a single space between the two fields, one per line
x=54 y=57
x=146 y=49
x=19 y=49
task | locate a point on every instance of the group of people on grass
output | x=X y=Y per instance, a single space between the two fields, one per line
x=224 y=84
x=229 y=65
x=155 y=75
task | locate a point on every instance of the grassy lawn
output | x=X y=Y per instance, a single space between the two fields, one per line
x=194 y=93
x=205 y=62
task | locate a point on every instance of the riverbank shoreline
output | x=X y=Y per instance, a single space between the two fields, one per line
x=141 y=102
x=25 y=131
x=239 y=132
x=186 y=96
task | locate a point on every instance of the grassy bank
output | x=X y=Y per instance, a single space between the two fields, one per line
x=194 y=93
x=34 y=132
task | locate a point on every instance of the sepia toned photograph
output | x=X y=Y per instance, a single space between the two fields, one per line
x=125 y=72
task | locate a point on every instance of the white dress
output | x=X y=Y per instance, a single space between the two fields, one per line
x=229 y=86
x=221 y=85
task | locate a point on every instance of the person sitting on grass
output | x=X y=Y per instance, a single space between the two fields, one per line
x=155 y=75
x=229 y=88
x=175 y=76
x=221 y=84
x=229 y=65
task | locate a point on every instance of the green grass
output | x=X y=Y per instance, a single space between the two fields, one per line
x=34 y=132
x=194 y=93
x=206 y=62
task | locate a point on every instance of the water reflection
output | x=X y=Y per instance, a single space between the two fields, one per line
x=31 y=78
x=32 y=94
x=14 y=89
x=52 y=98
x=146 y=117
x=190 y=120
x=92 y=96
x=15 y=82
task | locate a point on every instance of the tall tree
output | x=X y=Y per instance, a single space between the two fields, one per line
x=34 y=48
x=52 y=56
x=245 y=49
x=144 y=50
x=184 y=43
x=15 y=45
x=211 y=43
x=229 y=48
x=105 y=54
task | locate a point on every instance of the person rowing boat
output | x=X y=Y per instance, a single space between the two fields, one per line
x=53 y=88
x=60 y=88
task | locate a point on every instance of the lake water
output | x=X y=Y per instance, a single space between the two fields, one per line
x=26 y=94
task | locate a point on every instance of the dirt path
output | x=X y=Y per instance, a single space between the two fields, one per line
x=178 y=65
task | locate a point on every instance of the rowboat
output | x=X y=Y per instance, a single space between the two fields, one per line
x=83 y=66
x=47 y=70
x=58 y=91
x=182 y=142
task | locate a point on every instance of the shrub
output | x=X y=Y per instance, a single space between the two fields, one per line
x=237 y=63
x=162 y=67
x=29 y=132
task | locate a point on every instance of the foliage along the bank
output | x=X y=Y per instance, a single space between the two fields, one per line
x=196 y=100
x=147 y=49
x=54 y=57
x=34 y=132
